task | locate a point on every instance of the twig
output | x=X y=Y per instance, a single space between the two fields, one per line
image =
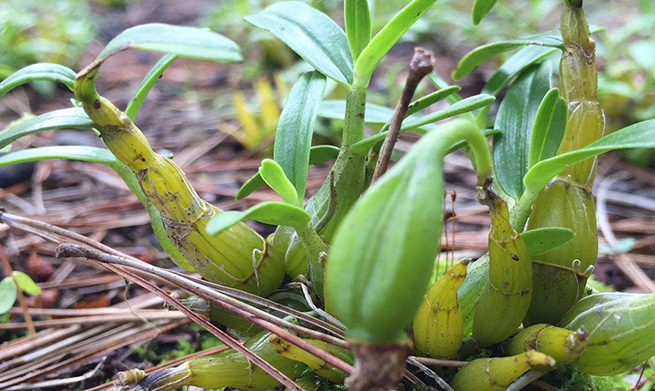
x=419 y=67
x=545 y=386
x=88 y=355
x=524 y=380
x=168 y=364
x=50 y=232
x=59 y=382
x=99 y=319
x=258 y=317
x=440 y=382
x=252 y=298
x=218 y=333
x=250 y=313
x=622 y=260
x=19 y=292
x=436 y=362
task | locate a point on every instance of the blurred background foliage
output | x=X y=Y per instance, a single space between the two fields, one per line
x=43 y=31
x=60 y=31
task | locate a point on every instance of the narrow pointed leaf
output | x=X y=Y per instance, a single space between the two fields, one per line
x=73 y=118
x=317 y=155
x=358 y=25
x=43 y=71
x=147 y=83
x=311 y=34
x=542 y=240
x=442 y=84
x=26 y=284
x=7 y=294
x=189 y=42
x=323 y=153
x=386 y=38
x=293 y=139
x=276 y=179
x=480 y=9
x=73 y=152
x=430 y=99
x=419 y=123
x=639 y=135
x=515 y=118
x=548 y=128
x=252 y=185
x=463 y=106
x=515 y=65
x=271 y=212
x=481 y=54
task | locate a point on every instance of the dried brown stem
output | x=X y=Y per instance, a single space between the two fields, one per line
x=54 y=234
x=218 y=333
x=419 y=67
x=256 y=316
x=436 y=362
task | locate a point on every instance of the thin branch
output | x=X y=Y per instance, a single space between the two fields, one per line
x=50 y=233
x=59 y=382
x=622 y=260
x=98 y=319
x=258 y=317
x=419 y=67
x=430 y=373
x=437 y=362
x=524 y=380
x=250 y=313
x=218 y=333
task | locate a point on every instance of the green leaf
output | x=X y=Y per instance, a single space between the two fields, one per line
x=189 y=42
x=311 y=34
x=418 y=122
x=548 y=128
x=465 y=105
x=323 y=153
x=274 y=176
x=542 y=240
x=252 y=185
x=442 y=84
x=639 y=135
x=481 y=54
x=358 y=25
x=73 y=118
x=26 y=284
x=336 y=109
x=7 y=294
x=515 y=118
x=271 y=212
x=43 y=71
x=317 y=155
x=72 y=152
x=516 y=64
x=293 y=139
x=147 y=83
x=480 y=9
x=430 y=99
x=386 y=38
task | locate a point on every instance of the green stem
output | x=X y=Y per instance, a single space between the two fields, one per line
x=521 y=211
x=315 y=248
x=353 y=127
x=477 y=141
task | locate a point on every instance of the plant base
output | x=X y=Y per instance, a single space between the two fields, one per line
x=379 y=367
